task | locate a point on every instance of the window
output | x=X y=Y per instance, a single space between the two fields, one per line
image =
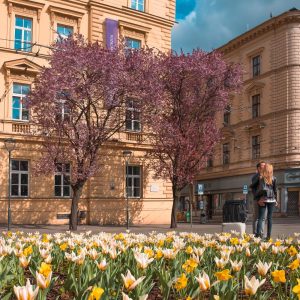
x=62 y=186
x=255 y=106
x=63 y=111
x=133 y=116
x=256 y=147
x=256 y=65
x=19 y=109
x=19 y=178
x=210 y=162
x=226 y=116
x=133 y=182
x=226 y=154
x=23 y=34
x=64 y=31
x=132 y=43
x=138 y=5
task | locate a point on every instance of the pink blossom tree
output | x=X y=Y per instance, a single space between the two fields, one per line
x=78 y=104
x=194 y=88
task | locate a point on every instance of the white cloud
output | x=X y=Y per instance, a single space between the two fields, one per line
x=214 y=22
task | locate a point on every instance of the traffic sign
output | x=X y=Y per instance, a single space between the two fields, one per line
x=245 y=189
x=200 y=189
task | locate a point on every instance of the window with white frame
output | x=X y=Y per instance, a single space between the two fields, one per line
x=133 y=43
x=133 y=116
x=19 y=176
x=138 y=5
x=63 y=111
x=64 y=31
x=62 y=187
x=23 y=34
x=133 y=181
x=19 y=108
x=62 y=105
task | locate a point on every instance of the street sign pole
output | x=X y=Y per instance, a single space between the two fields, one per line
x=200 y=190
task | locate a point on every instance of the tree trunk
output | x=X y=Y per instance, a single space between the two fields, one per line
x=174 y=207
x=77 y=190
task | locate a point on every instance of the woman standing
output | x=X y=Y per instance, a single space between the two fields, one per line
x=266 y=195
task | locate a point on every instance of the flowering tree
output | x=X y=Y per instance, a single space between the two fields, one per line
x=78 y=104
x=195 y=87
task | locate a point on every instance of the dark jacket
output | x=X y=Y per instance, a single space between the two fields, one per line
x=269 y=190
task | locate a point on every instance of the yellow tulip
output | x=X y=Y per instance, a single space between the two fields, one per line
x=296 y=289
x=279 y=276
x=45 y=269
x=294 y=265
x=181 y=282
x=223 y=275
x=96 y=293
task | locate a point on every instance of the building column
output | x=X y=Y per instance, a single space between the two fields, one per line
x=284 y=200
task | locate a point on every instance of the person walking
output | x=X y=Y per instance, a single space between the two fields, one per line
x=267 y=195
x=254 y=186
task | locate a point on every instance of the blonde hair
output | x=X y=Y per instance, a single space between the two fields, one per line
x=267 y=173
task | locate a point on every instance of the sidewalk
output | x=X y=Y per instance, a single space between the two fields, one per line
x=281 y=227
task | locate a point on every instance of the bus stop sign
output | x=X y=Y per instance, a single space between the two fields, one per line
x=245 y=189
x=200 y=189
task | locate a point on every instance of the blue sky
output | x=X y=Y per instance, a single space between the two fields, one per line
x=208 y=24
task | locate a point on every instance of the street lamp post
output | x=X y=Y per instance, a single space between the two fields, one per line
x=10 y=145
x=127 y=154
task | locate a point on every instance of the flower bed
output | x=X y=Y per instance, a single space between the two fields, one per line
x=156 y=266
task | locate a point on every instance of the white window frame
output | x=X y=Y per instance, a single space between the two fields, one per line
x=130 y=189
x=19 y=173
x=62 y=175
x=59 y=36
x=64 y=112
x=136 y=3
x=23 y=29
x=132 y=39
x=21 y=108
x=130 y=107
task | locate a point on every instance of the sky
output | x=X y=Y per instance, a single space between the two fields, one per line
x=208 y=24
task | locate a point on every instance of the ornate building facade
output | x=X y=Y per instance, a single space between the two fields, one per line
x=27 y=30
x=262 y=122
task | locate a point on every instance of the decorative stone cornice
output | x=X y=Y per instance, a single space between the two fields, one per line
x=274 y=23
x=22 y=65
x=31 y=4
x=254 y=86
x=56 y=11
x=142 y=16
